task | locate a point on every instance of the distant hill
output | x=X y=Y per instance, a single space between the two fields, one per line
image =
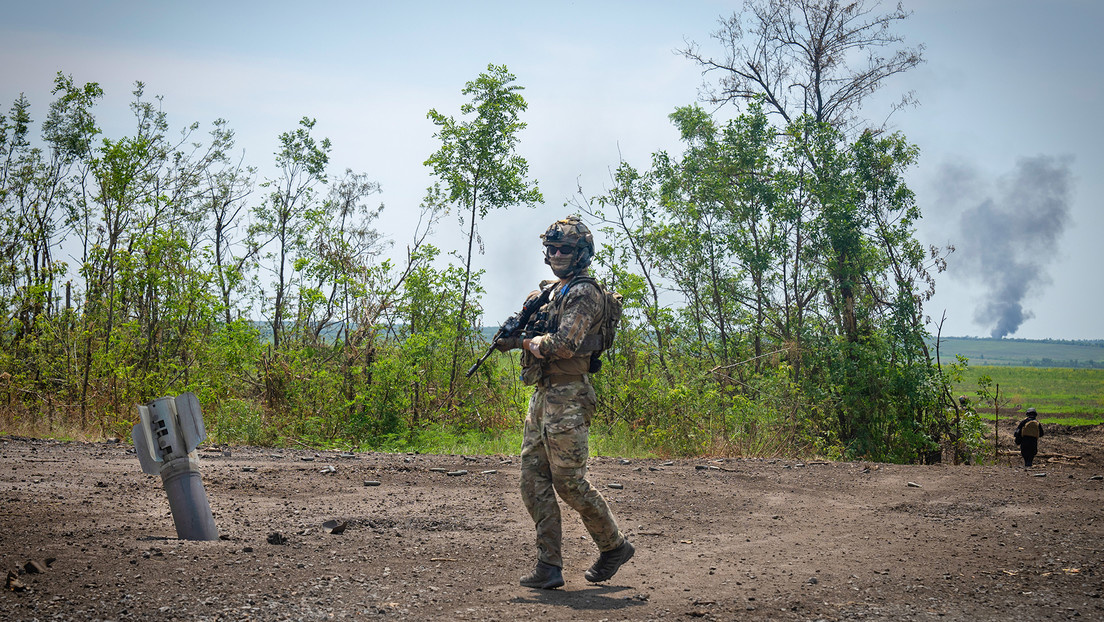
x=1023 y=352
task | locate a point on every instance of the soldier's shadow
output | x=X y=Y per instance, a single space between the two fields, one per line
x=595 y=598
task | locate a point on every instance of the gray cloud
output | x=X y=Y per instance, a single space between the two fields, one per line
x=1009 y=233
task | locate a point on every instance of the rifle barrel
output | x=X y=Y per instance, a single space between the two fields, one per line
x=476 y=365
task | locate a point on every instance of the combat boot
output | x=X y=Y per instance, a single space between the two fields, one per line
x=608 y=563
x=544 y=576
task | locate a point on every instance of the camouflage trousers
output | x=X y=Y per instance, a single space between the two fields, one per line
x=553 y=460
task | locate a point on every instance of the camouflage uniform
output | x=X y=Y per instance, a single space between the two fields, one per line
x=554 y=451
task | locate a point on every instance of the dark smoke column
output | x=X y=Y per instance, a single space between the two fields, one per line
x=1011 y=237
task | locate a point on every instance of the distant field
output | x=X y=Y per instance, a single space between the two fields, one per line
x=1052 y=391
x=1024 y=352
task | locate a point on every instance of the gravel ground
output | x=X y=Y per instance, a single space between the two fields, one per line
x=84 y=535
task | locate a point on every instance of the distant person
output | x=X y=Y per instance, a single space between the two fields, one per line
x=1027 y=436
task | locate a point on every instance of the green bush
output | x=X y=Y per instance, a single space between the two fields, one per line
x=239 y=422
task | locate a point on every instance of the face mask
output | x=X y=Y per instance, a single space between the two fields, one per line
x=561 y=264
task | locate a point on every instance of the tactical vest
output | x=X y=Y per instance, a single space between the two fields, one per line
x=550 y=316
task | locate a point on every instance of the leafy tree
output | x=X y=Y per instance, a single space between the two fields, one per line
x=36 y=190
x=478 y=165
x=332 y=262
x=342 y=292
x=814 y=63
x=628 y=213
x=123 y=206
x=799 y=57
x=722 y=197
x=224 y=192
x=19 y=180
x=281 y=220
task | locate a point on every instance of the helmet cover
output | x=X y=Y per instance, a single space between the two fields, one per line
x=571 y=233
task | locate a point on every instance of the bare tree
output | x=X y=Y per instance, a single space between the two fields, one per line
x=805 y=57
x=225 y=192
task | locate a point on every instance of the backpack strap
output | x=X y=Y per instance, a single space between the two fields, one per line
x=573 y=281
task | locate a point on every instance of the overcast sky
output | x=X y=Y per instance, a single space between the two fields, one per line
x=1009 y=122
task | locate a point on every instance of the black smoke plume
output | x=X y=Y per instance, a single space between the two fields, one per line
x=1009 y=234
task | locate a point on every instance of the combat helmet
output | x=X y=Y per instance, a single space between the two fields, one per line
x=571 y=233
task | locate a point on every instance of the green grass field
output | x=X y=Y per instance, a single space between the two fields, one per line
x=1070 y=396
x=1023 y=352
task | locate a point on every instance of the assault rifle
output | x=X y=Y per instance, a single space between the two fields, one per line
x=516 y=326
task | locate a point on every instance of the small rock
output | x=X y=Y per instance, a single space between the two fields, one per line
x=813 y=581
x=334 y=526
x=914 y=485
x=249 y=469
x=371 y=482
x=652 y=468
x=1096 y=477
x=307 y=458
x=615 y=485
x=329 y=469
x=457 y=473
x=624 y=461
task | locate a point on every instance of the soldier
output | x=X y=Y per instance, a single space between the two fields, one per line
x=554 y=450
x=1027 y=437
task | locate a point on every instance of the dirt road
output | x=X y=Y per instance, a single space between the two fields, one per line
x=716 y=540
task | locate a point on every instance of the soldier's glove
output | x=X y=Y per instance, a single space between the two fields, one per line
x=507 y=343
